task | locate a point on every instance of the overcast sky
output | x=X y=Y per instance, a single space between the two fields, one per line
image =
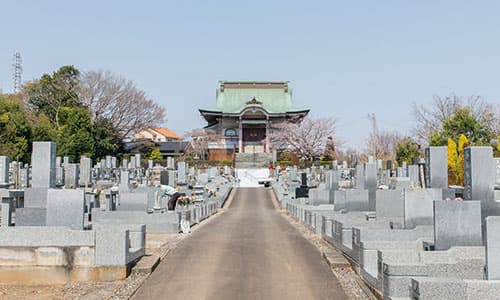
x=343 y=58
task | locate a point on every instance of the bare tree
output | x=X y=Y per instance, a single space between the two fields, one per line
x=200 y=141
x=307 y=139
x=429 y=118
x=118 y=100
x=382 y=144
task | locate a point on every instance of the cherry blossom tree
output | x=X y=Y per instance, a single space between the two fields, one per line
x=308 y=139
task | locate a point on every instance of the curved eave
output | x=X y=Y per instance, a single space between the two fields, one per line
x=210 y=115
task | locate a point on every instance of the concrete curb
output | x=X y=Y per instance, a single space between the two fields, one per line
x=336 y=260
x=147 y=264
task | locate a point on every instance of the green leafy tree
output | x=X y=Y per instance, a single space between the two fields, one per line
x=463 y=121
x=106 y=139
x=51 y=93
x=155 y=154
x=15 y=130
x=406 y=150
x=75 y=135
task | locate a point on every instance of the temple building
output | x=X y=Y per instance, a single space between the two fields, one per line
x=245 y=114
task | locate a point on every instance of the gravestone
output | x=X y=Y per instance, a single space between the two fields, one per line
x=113 y=162
x=170 y=163
x=181 y=173
x=436 y=167
x=360 y=177
x=138 y=161
x=497 y=171
x=419 y=206
x=59 y=172
x=404 y=169
x=493 y=248
x=43 y=165
x=371 y=184
x=479 y=174
x=65 y=160
x=171 y=178
x=413 y=173
x=457 y=223
x=4 y=171
x=390 y=203
x=125 y=164
x=150 y=164
x=108 y=162
x=65 y=208
x=71 y=175
x=132 y=162
x=389 y=165
x=85 y=171
x=124 y=184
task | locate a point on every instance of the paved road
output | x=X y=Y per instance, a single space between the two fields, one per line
x=249 y=252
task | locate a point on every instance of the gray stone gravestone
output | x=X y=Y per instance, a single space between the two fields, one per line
x=124 y=184
x=371 y=184
x=71 y=175
x=43 y=160
x=457 y=223
x=85 y=171
x=493 y=248
x=108 y=162
x=413 y=173
x=4 y=171
x=479 y=174
x=138 y=160
x=390 y=203
x=360 y=177
x=132 y=162
x=181 y=173
x=171 y=178
x=65 y=208
x=113 y=162
x=436 y=167
x=419 y=206
x=125 y=164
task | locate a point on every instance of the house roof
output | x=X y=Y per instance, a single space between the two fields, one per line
x=176 y=146
x=167 y=133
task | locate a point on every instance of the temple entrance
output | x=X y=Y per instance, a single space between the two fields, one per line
x=254 y=137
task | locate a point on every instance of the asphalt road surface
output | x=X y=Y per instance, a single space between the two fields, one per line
x=249 y=252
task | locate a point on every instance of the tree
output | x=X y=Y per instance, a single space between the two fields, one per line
x=462 y=143
x=15 y=130
x=106 y=139
x=49 y=94
x=430 y=119
x=452 y=162
x=200 y=140
x=463 y=121
x=155 y=154
x=406 y=150
x=307 y=138
x=119 y=101
x=75 y=135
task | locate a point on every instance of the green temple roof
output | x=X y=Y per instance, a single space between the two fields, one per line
x=234 y=96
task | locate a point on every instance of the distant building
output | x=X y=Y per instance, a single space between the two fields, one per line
x=158 y=135
x=245 y=113
x=168 y=142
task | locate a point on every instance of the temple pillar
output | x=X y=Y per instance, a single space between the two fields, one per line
x=240 y=137
x=267 y=136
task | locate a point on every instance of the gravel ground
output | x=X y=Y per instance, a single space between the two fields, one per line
x=348 y=279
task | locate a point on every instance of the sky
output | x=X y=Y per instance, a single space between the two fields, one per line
x=344 y=59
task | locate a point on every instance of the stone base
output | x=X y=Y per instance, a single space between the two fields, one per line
x=60 y=275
